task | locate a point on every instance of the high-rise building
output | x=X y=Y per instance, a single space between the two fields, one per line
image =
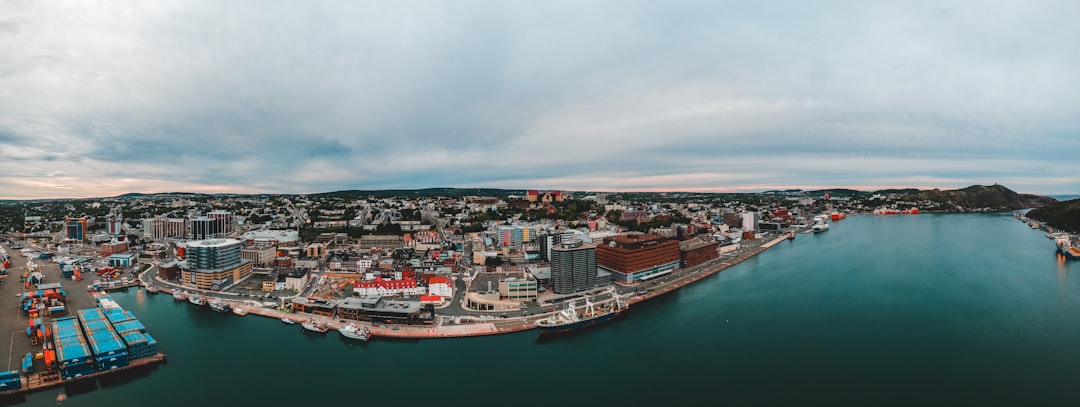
x=573 y=267
x=76 y=229
x=750 y=221
x=203 y=228
x=113 y=225
x=635 y=257
x=160 y=227
x=552 y=239
x=223 y=221
x=213 y=264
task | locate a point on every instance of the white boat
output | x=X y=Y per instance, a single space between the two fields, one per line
x=315 y=326
x=197 y=300
x=239 y=311
x=352 y=332
x=219 y=305
x=287 y=320
x=820 y=225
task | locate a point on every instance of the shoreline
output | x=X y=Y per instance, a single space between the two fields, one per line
x=496 y=327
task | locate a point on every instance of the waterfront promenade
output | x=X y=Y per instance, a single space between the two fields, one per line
x=494 y=325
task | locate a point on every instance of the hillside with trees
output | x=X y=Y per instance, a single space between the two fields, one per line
x=1062 y=215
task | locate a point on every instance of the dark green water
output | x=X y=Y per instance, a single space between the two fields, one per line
x=897 y=310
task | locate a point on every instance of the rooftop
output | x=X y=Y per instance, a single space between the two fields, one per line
x=213 y=242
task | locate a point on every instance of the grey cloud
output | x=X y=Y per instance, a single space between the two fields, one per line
x=417 y=94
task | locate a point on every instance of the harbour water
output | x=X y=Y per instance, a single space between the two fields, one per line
x=894 y=310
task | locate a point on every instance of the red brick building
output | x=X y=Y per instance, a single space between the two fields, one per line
x=636 y=256
x=696 y=251
x=111 y=248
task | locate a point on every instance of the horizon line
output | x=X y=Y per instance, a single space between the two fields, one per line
x=706 y=190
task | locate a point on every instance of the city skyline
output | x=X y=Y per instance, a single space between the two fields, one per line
x=103 y=99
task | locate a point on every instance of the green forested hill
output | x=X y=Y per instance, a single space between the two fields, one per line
x=1062 y=215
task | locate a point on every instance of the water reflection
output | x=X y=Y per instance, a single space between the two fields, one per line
x=1062 y=269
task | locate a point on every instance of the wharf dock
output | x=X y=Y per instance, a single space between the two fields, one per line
x=47 y=380
x=78 y=294
x=706 y=272
x=119 y=285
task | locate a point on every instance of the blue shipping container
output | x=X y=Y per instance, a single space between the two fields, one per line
x=9 y=374
x=10 y=384
x=129 y=326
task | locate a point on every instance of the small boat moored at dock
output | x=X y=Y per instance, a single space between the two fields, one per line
x=314 y=326
x=180 y=295
x=197 y=299
x=351 y=331
x=239 y=311
x=217 y=304
x=819 y=224
x=287 y=320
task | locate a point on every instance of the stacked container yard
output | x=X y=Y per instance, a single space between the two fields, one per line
x=106 y=303
x=48 y=299
x=72 y=354
x=140 y=344
x=36 y=331
x=109 y=350
x=10 y=380
x=117 y=315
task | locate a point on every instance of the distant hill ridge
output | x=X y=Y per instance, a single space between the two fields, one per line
x=975 y=196
x=995 y=197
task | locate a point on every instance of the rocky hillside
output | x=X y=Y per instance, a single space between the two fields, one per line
x=983 y=198
x=1062 y=215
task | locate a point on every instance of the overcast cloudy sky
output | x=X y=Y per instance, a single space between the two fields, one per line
x=103 y=98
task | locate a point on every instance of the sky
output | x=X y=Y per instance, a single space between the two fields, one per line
x=104 y=98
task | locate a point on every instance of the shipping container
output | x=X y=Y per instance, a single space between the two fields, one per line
x=74 y=371
x=28 y=363
x=10 y=384
x=71 y=346
x=128 y=326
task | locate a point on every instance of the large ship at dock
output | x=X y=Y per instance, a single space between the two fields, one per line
x=1069 y=247
x=571 y=319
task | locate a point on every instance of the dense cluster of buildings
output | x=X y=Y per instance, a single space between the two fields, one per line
x=510 y=255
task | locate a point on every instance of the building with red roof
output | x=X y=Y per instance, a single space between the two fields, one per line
x=386 y=288
x=441 y=286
